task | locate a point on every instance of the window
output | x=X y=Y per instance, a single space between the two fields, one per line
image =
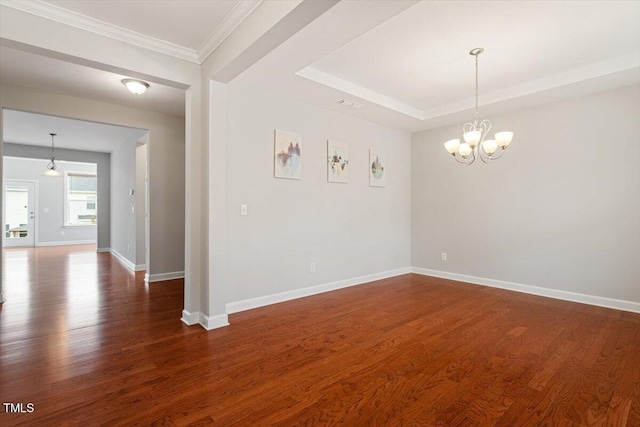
x=81 y=198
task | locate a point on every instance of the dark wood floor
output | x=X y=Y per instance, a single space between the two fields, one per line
x=88 y=343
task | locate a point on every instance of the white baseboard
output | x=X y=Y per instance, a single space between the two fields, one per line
x=163 y=276
x=213 y=322
x=248 y=304
x=535 y=290
x=131 y=266
x=207 y=322
x=70 y=242
x=190 y=318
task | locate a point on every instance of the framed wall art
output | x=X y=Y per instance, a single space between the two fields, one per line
x=377 y=169
x=287 y=155
x=337 y=161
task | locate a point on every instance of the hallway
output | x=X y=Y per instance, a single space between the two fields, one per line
x=68 y=313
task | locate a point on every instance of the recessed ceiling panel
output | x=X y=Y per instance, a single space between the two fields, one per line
x=420 y=57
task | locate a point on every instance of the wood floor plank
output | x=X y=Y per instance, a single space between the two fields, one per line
x=89 y=343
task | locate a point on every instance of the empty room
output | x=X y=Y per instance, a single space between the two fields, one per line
x=320 y=212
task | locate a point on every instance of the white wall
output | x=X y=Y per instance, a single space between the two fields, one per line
x=50 y=215
x=123 y=218
x=348 y=230
x=560 y=210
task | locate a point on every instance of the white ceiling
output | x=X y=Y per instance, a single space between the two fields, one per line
x=186 y=29
x=421 y=56
x=40 y=72
x=33 y=129
x=406 y=61
x=185 y=23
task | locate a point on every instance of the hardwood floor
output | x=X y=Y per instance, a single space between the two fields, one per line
x=88 y=343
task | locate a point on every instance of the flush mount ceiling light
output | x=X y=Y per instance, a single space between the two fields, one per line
x=51 y=167
x=474 y=145
x=137 y=87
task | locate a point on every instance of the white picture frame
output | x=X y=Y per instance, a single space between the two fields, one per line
x=337 y=161
x=377 y=168
x=287 y=155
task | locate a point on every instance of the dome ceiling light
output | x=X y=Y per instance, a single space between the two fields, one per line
x=137 y=87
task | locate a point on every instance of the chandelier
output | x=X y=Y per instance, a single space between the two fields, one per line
x=475 y=145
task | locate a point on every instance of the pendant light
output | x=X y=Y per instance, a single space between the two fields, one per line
x=474 y=145
x=52 y=167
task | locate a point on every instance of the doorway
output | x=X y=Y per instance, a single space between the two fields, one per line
x=18 y=215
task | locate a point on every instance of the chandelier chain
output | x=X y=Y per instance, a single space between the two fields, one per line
x=476 y=116
x=52 y=151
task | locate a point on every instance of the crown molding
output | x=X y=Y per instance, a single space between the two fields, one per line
x=229 y=23
x=621 y=67
x=361 y=92
x=73 y=19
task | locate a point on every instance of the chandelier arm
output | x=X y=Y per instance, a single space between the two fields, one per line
x=485 y=126
x=463 y=161
x=484 y=157
x=499 y=155
x=468 y=127
x=473 y=156
x=488 y=158
x=469 y=162
x=484 y=153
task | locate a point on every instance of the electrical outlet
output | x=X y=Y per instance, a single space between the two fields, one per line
x=62 y=233
x=312 y=267
x=444 y=256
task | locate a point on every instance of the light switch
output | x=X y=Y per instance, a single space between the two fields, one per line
x=244 y=210
x=45 y=210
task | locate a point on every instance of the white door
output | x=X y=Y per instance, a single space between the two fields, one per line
x=18 y=218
